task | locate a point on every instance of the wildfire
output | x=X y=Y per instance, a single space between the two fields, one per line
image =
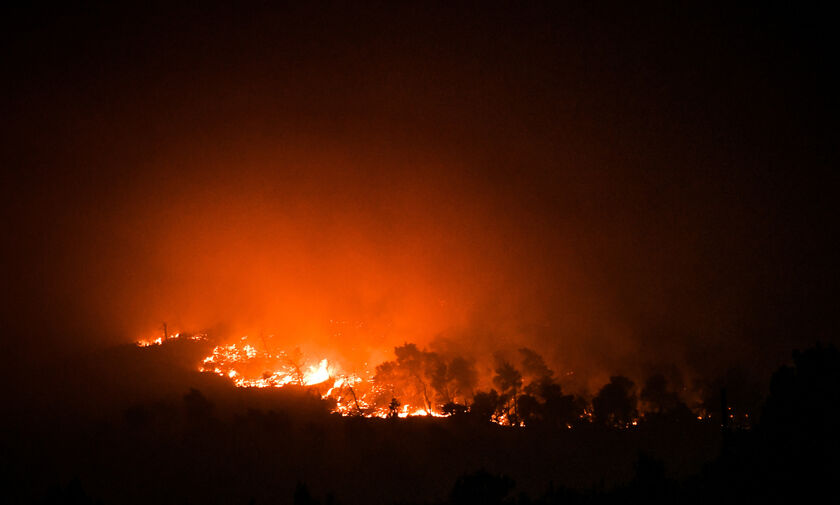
x=357 y=393
x=157 y=341
x=249 y=367
x=416 y=383
x=167 y=337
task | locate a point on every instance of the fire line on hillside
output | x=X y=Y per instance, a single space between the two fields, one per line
x=417 y=383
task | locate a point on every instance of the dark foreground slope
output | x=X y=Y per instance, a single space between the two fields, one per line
x=216 y=444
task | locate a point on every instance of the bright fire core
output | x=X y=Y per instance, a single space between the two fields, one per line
x=352 y=393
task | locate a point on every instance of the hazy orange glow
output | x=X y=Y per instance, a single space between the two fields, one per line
x=349 y=247
x=477 y=187
x=343 y=257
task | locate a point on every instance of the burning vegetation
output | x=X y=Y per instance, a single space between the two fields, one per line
x=521 y=389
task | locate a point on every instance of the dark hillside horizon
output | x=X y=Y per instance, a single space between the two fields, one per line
x=602 y=229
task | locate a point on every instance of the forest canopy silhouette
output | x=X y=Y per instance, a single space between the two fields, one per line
x=288 y=252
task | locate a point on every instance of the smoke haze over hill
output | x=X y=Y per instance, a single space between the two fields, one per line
x=621 y=199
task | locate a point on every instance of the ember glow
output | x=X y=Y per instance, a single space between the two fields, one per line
x=418 y=382
x=166 y=338
x=250 y=367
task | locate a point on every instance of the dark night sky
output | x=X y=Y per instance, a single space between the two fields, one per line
x=618 y=187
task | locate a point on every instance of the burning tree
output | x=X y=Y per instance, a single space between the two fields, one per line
x=415 y=382
x=509 y=381
x=423 y=379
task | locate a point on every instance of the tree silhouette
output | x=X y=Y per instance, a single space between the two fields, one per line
x=805 y=396
x=393 y=408
x=529 y=409
x=454 y=409
x=615 y=404
x=485 y=405
x=416 y=364
x=463 y=377
x=533 y=366
x=294 y=360
x=743 y=396
x=424 y=378
x=791 y=454
x=509 y=381
x=799 y=420
x=559 y=410
x=663 y=404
